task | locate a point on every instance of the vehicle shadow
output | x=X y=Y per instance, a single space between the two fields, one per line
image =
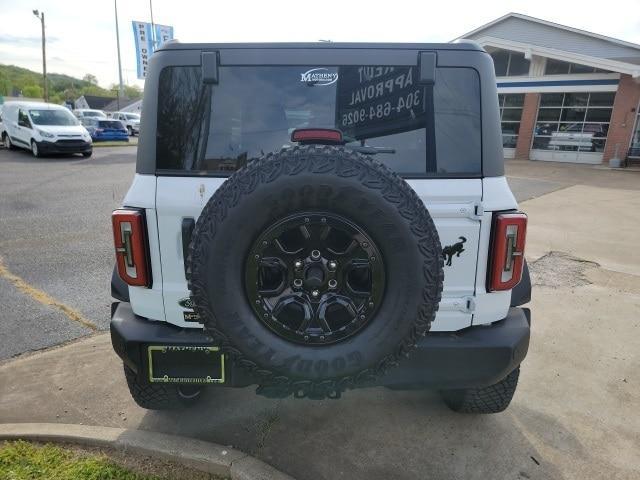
x=25 y=155
x=374 y=434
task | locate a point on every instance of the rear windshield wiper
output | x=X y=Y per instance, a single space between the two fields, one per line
x=367 y=150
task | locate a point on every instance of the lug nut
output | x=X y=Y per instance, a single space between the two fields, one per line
x=315 y=254
x=365 y=244
x=297 y=283
x=333 y=265
x=297 y=264
x=333 y=283
x=315 y=293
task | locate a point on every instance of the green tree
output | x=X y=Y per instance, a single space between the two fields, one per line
x=95 y=90
x=132 y=92
x=5 y=86
x=90 y=78
x=32 y=91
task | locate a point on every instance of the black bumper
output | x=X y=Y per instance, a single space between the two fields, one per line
x=473 y=357
x=65 y=146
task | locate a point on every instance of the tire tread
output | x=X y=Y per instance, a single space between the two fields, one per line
x=344 y=163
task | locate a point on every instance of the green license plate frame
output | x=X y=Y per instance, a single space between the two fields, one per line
x=185 y=364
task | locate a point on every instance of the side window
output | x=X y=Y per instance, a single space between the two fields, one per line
x=458 y=131
x=23 y=119
x=183 y=105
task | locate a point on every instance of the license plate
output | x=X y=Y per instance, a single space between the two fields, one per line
x=185 y=364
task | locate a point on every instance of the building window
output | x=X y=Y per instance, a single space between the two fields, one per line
x=634 y=148
x=510 y=64
x=558 y=67
x=510 y=114
x=577 y=121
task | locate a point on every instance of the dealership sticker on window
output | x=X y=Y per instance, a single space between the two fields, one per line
x=319 y=77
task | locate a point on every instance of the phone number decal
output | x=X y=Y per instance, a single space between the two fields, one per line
x=384 y=110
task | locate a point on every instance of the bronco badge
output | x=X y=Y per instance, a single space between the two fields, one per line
x=456 y=249
x=186 y=303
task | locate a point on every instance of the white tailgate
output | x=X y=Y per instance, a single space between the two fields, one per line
x=452 y=204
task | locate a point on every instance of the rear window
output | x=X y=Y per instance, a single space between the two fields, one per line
x=111 y=124
x=415 y=129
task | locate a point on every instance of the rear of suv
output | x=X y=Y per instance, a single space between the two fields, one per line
x=313 y=218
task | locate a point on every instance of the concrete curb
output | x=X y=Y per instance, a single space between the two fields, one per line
x=204 y=456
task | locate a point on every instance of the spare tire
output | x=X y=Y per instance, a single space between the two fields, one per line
x=315 y=268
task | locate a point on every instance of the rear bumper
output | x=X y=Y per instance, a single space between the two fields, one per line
x=108 y=138
x=78 y=146
x=474 y=357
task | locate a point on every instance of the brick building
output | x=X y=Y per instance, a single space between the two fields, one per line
x=565 y=94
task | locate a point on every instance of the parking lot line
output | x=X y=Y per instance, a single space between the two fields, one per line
x=44 y=298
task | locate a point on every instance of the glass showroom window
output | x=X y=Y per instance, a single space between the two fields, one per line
x=510 y=64
x=510 y=114
x=558 y=67
x=634 y=148
x=573 y=121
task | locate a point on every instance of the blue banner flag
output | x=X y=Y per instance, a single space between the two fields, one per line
x=144 y=41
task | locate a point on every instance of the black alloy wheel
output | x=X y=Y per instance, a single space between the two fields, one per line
x=315 y=278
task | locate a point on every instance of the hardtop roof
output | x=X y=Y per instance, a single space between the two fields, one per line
x=463 y=45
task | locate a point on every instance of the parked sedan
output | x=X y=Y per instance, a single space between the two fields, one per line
x=105 y=129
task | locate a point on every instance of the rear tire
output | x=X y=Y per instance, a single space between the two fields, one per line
x=160 y=396
x=492 y=399
x=7 y=142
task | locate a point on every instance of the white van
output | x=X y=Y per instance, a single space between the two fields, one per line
x=44 y=128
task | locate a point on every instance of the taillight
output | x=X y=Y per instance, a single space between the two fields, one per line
x=507 y=256
x=132 y=250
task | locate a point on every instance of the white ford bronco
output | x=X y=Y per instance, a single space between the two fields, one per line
x=314 y=218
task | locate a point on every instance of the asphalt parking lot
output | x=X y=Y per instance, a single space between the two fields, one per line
x=55 y=234
x=574 y=414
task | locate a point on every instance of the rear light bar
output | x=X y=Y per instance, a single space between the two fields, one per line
x=317 y=135
x=132 y=248
x=507 y=253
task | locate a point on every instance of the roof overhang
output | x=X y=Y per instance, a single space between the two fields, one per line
x=529 y=50
x=559 y=26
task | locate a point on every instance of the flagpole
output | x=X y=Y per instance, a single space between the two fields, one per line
x=153 y=27
x=121 y=86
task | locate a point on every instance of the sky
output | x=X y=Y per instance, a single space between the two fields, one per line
x=81 y=34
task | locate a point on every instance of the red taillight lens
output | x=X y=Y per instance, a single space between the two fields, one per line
x=319 y=135
x=132 y=250
x=509 y=234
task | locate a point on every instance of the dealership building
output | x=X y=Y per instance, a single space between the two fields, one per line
x=565 y=94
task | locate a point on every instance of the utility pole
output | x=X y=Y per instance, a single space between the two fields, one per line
x=40 y=16
x=121 y=87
